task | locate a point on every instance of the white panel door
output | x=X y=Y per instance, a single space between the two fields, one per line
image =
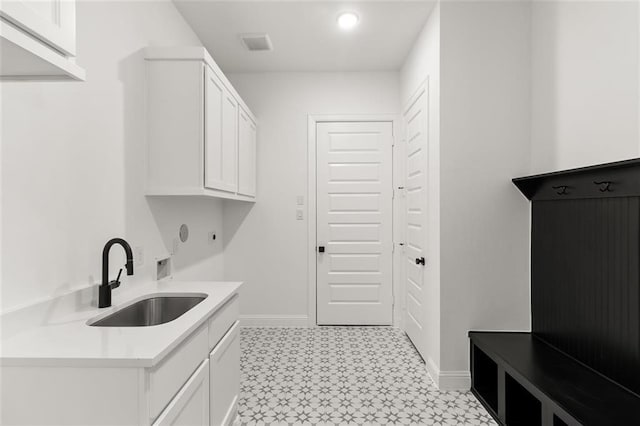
x=354 y=223
x=416 y=121
x=246 y=155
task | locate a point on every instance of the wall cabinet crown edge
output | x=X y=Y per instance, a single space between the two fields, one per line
x=38 y=40
x=201 y=136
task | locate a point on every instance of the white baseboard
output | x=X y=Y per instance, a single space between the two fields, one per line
x=274 y=321
x=454 y=380
x=448 y=380
x=432 y=370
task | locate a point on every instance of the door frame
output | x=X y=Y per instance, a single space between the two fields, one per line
x=397 y=180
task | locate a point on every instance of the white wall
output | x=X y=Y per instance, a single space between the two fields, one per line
x=477 y=58
x=485 y=142
x=423 y=63
x=269 y=250
x=73 y=165
x=423 y=60
x=586 y=76
x=525 y=87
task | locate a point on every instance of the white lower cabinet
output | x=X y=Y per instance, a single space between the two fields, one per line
x=191 y=405
x=196 y=384
x=224 y=365
x=210 y=396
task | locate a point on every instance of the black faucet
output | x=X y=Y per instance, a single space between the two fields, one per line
x=104 y=291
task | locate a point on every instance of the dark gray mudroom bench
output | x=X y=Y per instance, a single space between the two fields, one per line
x=580 y=365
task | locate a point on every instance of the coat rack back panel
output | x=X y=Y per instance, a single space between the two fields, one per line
x=585 y=292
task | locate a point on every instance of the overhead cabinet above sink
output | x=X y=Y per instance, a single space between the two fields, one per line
x=38 y=40
x=201 y=135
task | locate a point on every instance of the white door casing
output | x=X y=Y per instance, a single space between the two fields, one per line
x=354 y=223
x=415 y=120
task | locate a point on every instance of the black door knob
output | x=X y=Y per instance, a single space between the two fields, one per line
x=420 y=261
x=320 y=249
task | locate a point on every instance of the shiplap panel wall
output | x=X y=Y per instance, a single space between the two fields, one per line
x=586 y=282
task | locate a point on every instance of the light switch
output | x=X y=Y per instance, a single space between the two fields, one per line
x=300 y=200
x=138 y=256
x=299 y=214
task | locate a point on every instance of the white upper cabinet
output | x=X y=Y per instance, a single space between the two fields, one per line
x=199 y=142
x=38 y=40
x=246 y=155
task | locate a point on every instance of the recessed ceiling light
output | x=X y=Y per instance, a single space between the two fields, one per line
x=348 y=20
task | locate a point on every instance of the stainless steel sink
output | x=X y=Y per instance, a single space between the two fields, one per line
x=152 y=310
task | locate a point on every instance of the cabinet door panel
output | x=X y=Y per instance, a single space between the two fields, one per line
x=229 y=142
x=51 y=21
x=225 y=378
x=190 y=407
x=214 y=98
x=246 y=155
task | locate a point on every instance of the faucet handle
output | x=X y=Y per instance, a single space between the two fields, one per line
x=116 y=283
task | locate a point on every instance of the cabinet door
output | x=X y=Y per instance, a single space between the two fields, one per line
x=246 y=155
x=225 y=378
x=51 y=21
x=190 y=407
x=229 y=142
x=213 y=148
x=221 y=130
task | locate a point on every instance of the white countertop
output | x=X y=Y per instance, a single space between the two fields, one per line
x=68 y=341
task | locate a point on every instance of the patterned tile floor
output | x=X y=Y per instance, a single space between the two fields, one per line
x=343 y=375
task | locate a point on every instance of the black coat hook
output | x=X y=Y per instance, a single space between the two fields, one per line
x=605 y=185
x=561 y=189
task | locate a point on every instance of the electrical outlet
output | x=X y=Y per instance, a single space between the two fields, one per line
x=138 y=256
x=299 y=214
x=211 y=237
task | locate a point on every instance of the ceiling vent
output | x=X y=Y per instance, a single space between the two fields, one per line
x=256 y=42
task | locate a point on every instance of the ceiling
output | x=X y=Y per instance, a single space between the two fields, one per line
x=305 y=34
